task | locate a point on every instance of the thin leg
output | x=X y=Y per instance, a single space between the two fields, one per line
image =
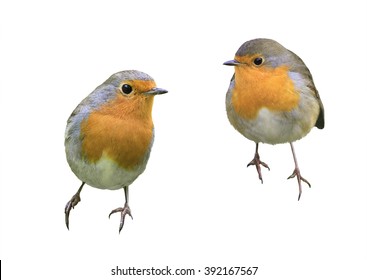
x=124 y=210
x=297 y=173
x=257 y=162
x=72 y=203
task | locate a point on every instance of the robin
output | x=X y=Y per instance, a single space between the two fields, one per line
x=110 y=134
x=272 y=98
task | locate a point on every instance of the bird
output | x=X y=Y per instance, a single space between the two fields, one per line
x=272 y=99
x=109 y=136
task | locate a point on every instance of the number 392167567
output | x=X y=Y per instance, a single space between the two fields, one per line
x=233 y=270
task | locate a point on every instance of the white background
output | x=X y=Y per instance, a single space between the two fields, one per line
x=197 y=204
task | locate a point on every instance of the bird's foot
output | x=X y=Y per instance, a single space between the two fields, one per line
x=297 y=173
x=71 y=204
x=257 y=162
x=124 y=211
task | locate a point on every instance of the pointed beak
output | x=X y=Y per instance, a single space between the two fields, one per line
x=155 y=91
x=231 y=62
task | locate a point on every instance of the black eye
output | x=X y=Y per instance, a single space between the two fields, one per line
x=258 y=61
x=127 y=89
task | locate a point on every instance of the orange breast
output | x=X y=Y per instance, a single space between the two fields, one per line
x=118 y=131
x=257 y=88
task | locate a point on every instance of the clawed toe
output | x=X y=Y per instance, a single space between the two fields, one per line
x=124 y=211
x=257 y=162
x=71 y=204
x=297 y=173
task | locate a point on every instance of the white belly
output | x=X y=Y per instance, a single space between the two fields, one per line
x=105 y=174
x=276 y=127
